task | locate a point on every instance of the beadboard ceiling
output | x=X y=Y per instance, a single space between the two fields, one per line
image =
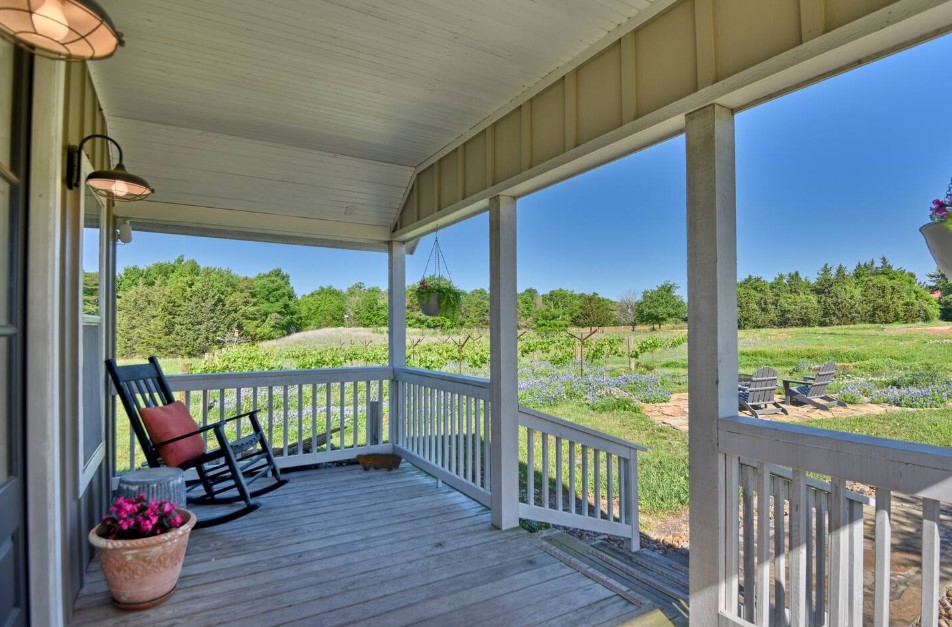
x=321 y=109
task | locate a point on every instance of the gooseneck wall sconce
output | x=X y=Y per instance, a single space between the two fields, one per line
x=69 y=30
x=117 y=184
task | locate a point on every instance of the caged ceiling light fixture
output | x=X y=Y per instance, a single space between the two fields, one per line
x=66 y=30
x=117 y=184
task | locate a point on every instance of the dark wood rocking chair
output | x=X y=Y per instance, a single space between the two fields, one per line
x=224 y=473
x=758 y=395
x=812 y=391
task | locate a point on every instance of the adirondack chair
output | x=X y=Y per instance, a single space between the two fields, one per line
x=812 y=390
x=758 y=395
x=224 y=472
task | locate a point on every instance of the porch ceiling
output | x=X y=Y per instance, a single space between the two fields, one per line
x=321 y=109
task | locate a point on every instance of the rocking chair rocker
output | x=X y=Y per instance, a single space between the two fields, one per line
x=224 y=473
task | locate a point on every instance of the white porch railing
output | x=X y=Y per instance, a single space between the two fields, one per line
x=807 y=568
x=595 y=481
x=443 y=427
x=440 y=422
x=309 y=416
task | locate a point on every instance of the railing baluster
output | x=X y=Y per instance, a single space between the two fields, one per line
x=462 y=461
x=798 y=549
x=930 y=563
x=596 y=470
x=477 y=446
x=271 y=416
x=822 y=513
x=780 y=566
x=610 y=499
x=883 y=552
x=530 y=466
x=487 y=446
x=732 y=546
x=558 y=474
x=572 y=508
x=284 y=413
x=631 y=497
x=855 y=513
x=205 y=415
x=342 y=404
x=839 y=556
x=328 y=429
x=300 y=420
x=369 y=428
x=762 y=598
x=470 y=450
x=545 y=469
x=811 y=552
x=355 y=405
x=747 y=485
x=584 y=494
x=313 y=417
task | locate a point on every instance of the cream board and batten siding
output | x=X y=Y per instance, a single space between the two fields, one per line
x=634 y=88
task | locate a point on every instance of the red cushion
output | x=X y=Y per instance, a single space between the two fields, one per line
x=170 y=421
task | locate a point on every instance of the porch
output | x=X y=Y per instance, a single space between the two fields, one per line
x=339 y=545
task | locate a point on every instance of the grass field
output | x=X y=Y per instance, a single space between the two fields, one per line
x=906 y=365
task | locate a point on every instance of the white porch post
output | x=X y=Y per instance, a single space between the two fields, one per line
x=503 y=363
x=47 y=270
x=397 y=330
x=712 y=349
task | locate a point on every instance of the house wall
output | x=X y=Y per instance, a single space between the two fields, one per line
x=634 y=89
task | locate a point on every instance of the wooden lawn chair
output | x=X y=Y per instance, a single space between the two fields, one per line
x=224 y=473
x=812 y=390
x=758 y=395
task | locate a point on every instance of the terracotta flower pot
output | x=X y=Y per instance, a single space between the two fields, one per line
x=939 y=239
x=142 y=573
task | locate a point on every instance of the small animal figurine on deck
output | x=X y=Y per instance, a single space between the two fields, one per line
x=378 y=461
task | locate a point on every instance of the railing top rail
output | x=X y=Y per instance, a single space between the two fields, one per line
x=442 y=376
x=579 y=429
x=812 y=482
x=182 y=382
x=916 y=469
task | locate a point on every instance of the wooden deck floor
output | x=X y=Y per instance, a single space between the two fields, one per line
x=340 y=545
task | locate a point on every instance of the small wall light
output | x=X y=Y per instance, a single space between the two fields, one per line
x=116 y=184
x=124 y=231
x=68 y=30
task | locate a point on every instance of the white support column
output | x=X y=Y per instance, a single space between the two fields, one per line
x=397 y=329
x=712 y=349
x=44 y=388
x=503 y=362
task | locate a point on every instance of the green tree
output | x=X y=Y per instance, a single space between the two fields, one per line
x=474 y=312
x=661 y=304
x=273 y=309
x=324 y=307
x=594 y=311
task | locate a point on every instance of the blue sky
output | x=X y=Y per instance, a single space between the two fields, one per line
x=839 y=172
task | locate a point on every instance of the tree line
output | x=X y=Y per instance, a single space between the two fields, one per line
x=182 y=308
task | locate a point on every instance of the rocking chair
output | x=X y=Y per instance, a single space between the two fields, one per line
x=224 y=473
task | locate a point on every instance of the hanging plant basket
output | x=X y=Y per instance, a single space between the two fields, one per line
x=436 y=294
x=431 y=306
x=938 y=233
x=939 y=240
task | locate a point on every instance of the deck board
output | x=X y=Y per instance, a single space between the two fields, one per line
x=340 y=545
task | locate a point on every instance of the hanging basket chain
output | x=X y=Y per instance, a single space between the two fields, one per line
x=439 y=261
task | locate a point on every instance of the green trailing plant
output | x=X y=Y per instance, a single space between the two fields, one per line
x=450 y=296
